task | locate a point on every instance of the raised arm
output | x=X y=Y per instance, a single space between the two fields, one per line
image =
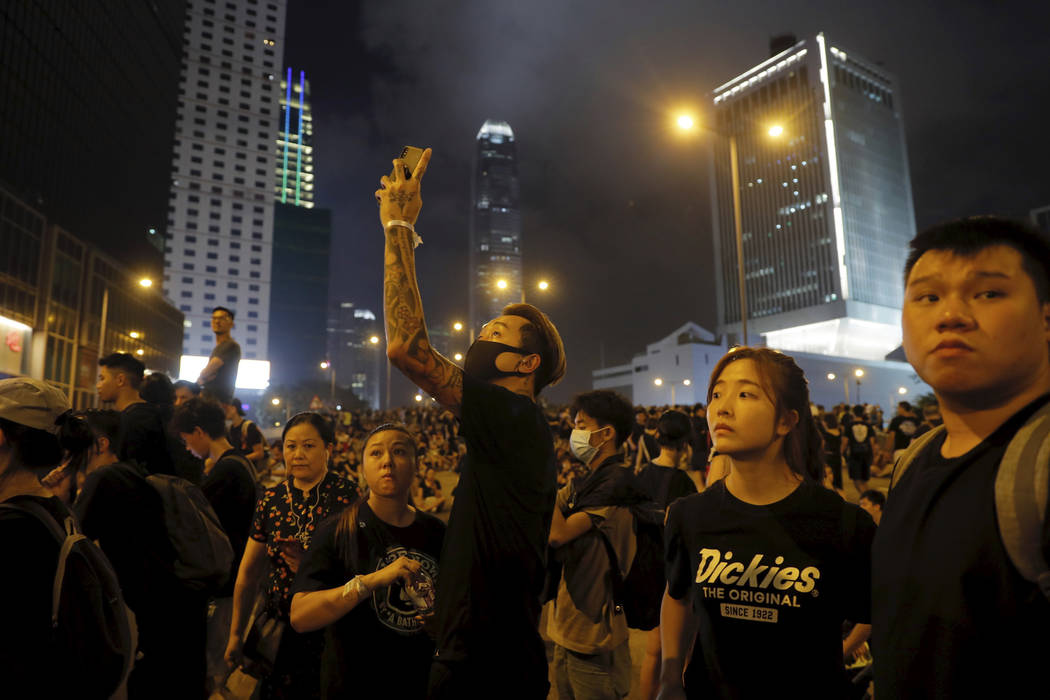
x=407 y=344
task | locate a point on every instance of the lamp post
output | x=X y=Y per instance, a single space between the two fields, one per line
x=687 y=123
x=542 y=285
x=328 y=365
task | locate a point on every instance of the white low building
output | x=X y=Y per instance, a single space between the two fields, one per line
x=676 y=370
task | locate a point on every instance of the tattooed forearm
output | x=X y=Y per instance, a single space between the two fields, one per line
x=408 y=345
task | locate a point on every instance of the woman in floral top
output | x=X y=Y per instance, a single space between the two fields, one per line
x=285 y=520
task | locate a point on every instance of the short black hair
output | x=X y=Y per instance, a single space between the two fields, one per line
x=874 y=497
x=193 y=387
x=905 y=405
x=608 y=408
x=968 y=237
x=127 y=364
x=223 y=308
x=322 y=425
x=200 y=413
x=858 y=410
x=673 y=429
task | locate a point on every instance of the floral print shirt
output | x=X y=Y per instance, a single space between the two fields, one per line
x=283 y=512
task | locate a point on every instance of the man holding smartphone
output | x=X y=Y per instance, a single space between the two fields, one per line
x=494 y=554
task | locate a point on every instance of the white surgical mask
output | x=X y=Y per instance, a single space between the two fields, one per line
x=580 y=444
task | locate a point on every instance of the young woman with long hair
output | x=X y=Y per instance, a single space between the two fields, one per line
x=765 y=565
x=369 y=579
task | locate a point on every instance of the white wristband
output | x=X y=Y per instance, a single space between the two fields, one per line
x=357 y=585
x=416 y=239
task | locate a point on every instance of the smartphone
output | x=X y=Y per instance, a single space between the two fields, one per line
x=411 y=156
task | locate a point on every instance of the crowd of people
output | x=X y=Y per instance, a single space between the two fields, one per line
x=161 y=549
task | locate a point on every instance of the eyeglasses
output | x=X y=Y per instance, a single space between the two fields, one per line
x=221 y=318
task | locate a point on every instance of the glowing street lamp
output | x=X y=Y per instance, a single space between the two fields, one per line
x=685 y=122
x=275 y=401
x=146 y=282
x=902 y=390
x=374 y=340
x=458 y=357
x=658 y=382
x=543 y=285
x=776 y=131
x=135 y=334
x=419 y=397
x=831 y=376
x=501 y=284
x=457 y=326
x=324 y=364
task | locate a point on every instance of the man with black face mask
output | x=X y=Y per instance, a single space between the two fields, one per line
x=493 y=560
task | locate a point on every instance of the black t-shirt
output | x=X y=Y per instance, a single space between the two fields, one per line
x=142 y=439
x=494 y=559
x=858 y=439
x=245 y=437
x=664 y=485
x=118 y=508
x=378 y=649
x=771 y=586
x=222 y=384
x=28 y=657
x=230 y=488
x=904 y=429
x=952 y=616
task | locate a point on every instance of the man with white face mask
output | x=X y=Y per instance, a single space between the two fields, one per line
x=493 y=560
x=591 y=655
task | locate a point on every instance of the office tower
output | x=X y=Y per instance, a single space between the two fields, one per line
x=88 y=93
x=356 y=351
x=295 y=152
x=220 y=226
x=1041 y=218
x=495 y=225
x=60 y=294
x=826 y=205
x=302 y=242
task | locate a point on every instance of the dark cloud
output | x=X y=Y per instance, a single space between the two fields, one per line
x=615 y=207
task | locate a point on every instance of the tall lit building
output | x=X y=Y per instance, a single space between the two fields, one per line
x=495 y=225
x=356 y=359
x=826 y=206
x=220 y=220
x=295 y=152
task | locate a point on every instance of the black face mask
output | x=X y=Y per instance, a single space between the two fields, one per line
x=481 y=360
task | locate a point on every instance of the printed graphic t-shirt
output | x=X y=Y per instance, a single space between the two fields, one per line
x=379 y=648
x=771 y=586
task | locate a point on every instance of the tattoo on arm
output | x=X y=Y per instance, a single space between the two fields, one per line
x=405 y=328
x=401 y=199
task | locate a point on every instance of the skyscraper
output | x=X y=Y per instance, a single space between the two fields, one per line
x=88 y=93
x=295 y=152
x=826 y=206
x=495 y=225
x=357 y=360
x=220 y=224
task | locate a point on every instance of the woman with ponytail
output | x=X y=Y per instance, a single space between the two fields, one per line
x=765 y=565
x=370 y=579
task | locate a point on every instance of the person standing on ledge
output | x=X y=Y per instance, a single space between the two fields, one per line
x=493 y=560
x=220 y=374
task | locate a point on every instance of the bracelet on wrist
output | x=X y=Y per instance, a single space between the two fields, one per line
x=416 y=238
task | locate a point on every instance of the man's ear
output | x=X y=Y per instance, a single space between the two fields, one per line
x=529 y=363
x=102 y=444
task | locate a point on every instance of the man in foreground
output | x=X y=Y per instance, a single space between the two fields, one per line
x=494 y=554
x=952 y=615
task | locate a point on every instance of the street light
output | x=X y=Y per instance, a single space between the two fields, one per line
x=275 y=401
x=328 y=365
x=146 y=282
x=457 y=326
x=687 y=123
x=858 y=373
x=458 y=357
x=673 y=383
x=501 y=284
x=419 y=397
x=374 y=340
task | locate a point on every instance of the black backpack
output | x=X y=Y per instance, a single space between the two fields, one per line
x=640 y=594
x=89 y=621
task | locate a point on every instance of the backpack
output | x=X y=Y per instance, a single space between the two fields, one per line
x=638 y=596
x=247 y=464
x=1022 y=489
x=203 y=554
x=89 y=621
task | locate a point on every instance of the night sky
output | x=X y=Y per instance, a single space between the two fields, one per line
x=615 y=205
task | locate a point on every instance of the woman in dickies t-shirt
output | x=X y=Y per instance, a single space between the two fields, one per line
x=765 y=565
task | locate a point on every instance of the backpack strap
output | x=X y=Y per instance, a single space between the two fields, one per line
x=1021 y=494
x=913 y=450
x=618 y=591
x=67 y=533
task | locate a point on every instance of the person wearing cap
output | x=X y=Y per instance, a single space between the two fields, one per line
x=29 y=447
